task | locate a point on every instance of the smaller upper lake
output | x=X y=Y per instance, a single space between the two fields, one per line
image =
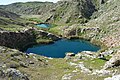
x=59 y=48
x=43 y=25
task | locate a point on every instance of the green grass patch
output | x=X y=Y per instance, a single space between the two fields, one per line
x=95 y=63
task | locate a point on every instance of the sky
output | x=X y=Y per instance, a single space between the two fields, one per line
x=5 y=2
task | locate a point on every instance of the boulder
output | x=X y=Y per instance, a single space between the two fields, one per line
x=12 y=74
x=16 y=74
x=106 y=53
x=67 y=77
x=85 y=54
x=22 y=64
x=69 y=55
x=14 y=65
x=113 y=62
x=115 y=77
x=83 y=68
x=31 y=62
x=52 y=36
x=101 y=72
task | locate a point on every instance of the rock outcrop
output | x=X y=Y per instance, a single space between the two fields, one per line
x=86 y=54
x=12 y=74
x=48 y=35
x=77 y=30
x=69 y=55
x=16 y=39
x=83 y=68
x=20 y=40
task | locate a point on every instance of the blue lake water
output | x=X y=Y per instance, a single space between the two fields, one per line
x=43 y=25
x=59 y=48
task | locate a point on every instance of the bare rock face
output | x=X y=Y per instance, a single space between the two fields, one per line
x=19 y=40
x=16 y=39
x=113 y=62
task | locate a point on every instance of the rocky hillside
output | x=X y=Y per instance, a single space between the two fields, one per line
x=64 y=11
x=11 y=21
x=12 y=60
x=8 y=14
x=28 y=8
x=73 y=11
x=108 y=20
